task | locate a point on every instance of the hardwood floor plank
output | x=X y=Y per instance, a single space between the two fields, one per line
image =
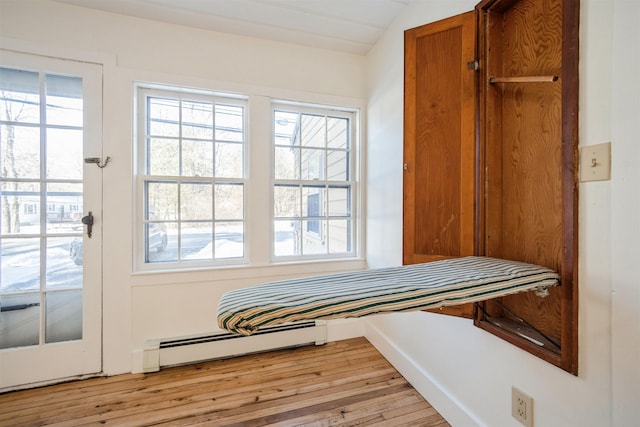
x=274 y=360
x=173 y=402
x=228 y=368
x=363 y=412
x=237 y=384
x=345 y=383
x=258 y=402
x=281 y=413
x=245 y=385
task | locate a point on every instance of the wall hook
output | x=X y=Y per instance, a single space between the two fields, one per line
x=97 y=161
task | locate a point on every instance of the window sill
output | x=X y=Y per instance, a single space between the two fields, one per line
x=250 y=273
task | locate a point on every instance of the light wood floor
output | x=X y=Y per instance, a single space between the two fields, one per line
x=345 y=383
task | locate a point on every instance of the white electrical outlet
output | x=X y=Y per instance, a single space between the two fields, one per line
x=522 y=407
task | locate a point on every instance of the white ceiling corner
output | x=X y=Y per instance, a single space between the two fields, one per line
x=352 y=26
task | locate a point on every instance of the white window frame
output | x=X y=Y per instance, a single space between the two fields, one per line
x=353 y=180
x=141 y=93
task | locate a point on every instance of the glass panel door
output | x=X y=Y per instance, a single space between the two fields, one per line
x=48 y=297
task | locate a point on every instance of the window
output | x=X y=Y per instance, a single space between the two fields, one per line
x=197 y=206
x=313 y=191
x=191 y=178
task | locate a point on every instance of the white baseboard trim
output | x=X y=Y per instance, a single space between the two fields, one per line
x=137 y=361
x=437 y=395
x=344 y=329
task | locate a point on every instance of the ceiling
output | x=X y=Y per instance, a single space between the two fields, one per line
x=352 y=26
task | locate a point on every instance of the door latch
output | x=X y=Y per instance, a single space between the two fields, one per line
x=88 y=221
x=97 y=161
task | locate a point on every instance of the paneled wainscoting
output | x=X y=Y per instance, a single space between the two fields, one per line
x=344 y=383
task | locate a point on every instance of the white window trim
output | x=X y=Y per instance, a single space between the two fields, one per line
x=141 y=92
x=259 y=225
x=353 y=114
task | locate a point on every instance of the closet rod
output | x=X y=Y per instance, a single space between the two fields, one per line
x=524 y=79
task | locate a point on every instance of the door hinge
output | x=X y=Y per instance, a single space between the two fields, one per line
x=473 y=65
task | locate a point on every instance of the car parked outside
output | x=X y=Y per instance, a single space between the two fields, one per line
x=157 y=242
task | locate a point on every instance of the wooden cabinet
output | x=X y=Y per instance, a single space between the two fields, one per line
x=490 y=157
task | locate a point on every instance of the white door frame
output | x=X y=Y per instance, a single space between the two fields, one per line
x=45 y=363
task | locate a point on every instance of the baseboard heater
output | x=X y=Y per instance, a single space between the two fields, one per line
x=160 y=353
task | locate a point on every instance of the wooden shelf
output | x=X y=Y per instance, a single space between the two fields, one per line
x=524 y=79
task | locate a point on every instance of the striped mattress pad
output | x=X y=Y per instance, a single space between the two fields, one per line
x=374 y=291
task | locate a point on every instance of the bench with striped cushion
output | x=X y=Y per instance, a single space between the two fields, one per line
x=366 y=292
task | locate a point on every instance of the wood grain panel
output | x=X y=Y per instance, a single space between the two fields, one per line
x=439 y=144
x=532 y=151
x=438 y=151
x=528 y=142
x=532 y=134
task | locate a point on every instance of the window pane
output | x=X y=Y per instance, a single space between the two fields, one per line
x=196 y=201
x=164 y=117
x=312 y=131
x=337 y=133
x=312 y=201
x=64 y=263
x=196 y=238
x=286 y=237
x=20 y=320
x=312 y=164
x=337 y=166
x=20 y=96
x=339 y=236
x=20 y=208
x=64 y=154
x=286 y=201
x=197 y=120
x=64 y=100
x=229 y=201
x=63 y=316
x=19 y=151
x=338 y=199
x=197 y=158
x=286 y=163
x=76 y=252
x=20 y=265
x=286 y=128
x=162 y=200
x=229 y=123
x=313 y=242
x=163 y=157
x=160 y=245
x=229 y=160
x=229 y=240
x=64 y=207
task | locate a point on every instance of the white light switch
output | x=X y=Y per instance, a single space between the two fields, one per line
x=595 y=162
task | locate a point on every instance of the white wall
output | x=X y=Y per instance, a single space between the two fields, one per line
x=465 y=372
x=137 y=307
x=625 y=212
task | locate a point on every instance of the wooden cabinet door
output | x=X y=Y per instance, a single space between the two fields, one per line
x=439 y=143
